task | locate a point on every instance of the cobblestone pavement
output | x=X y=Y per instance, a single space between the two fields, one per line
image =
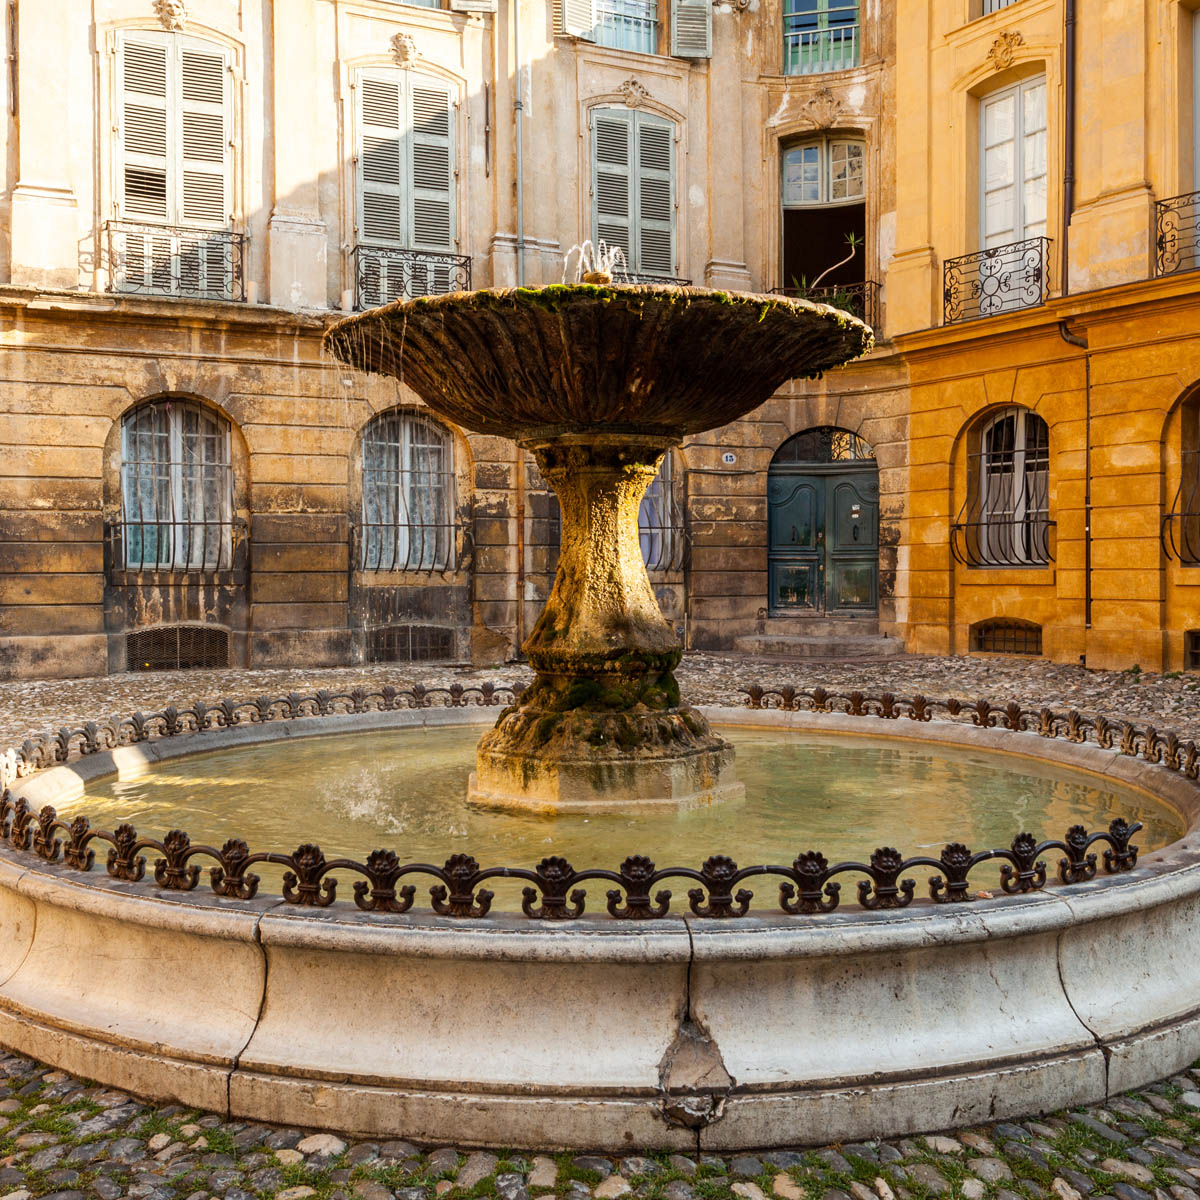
x=63 y=1139
x=1172 y=701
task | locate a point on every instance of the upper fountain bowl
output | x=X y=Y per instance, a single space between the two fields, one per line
x=528 y=363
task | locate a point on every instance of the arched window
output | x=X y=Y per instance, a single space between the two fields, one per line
x=1005 y=520
x=823 y=444
x=407 y=494
x=661 y=518
x=176 y=488
x=1181 y=525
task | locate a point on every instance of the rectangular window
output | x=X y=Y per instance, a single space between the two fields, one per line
x=820 y=36
x=633 y=188
x=634 y=25
x=173 y=131
x=1012 y=161
x=627 y=24
x=991 y=6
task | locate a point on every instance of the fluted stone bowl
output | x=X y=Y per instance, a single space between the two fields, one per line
x=528 y=362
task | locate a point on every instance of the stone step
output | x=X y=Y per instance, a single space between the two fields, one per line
x=819 y=625
x=779 y=645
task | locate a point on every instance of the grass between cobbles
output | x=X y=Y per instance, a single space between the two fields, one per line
x=1069 y=1148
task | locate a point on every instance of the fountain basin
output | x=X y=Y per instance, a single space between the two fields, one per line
x=681 y=1032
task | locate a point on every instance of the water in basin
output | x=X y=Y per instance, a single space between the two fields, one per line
x=404 y=790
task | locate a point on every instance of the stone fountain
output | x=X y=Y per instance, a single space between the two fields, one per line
x=599 y=381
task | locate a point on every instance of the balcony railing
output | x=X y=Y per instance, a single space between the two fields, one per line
x=661 y=280
x=816 y=51
x=169 y=260
x=859 y=299
x=1002 y=279
x=384 y=273
x=1177 y=234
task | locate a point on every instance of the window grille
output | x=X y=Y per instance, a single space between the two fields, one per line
x=1191 y=650
x=820 y=36
x=991 y=6
x=662 y=528
x=633 y=189
x=1005 y=520
x=1007 y=636
x=627 y=24
x=1180 y=532
x=176 y=489
x=1177 y=227
x=176 y=648
x=410 y=643
x=408 y=495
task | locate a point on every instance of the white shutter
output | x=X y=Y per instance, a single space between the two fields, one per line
x=144 y=142
x=655 y=208
x=613 y=180
x=431 y=146
x=204 y=175
x=381 y=164
x=691 y=28
x=575 y=18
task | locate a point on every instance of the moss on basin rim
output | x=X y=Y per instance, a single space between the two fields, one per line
x=526 y=362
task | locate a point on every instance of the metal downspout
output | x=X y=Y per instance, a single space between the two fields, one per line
x=1068 y=149
x=1075 y=340
x=519 y=111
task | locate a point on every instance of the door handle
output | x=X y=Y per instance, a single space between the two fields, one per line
x=820 y=537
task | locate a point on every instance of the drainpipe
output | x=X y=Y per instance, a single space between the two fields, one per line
x=519 y=111
x=1075 y=340
x=1068 y=151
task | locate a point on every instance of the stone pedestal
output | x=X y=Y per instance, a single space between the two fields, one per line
x=603 y=724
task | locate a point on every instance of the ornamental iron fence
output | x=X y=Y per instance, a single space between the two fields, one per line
x=998 y=280
x=860 y=300
x=1177 y=234
x=807 y=886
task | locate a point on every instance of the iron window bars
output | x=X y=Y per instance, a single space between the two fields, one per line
x=860 y=300
x=1180 y=531
x=1007 y=636
x=408 y=521
x=662 y=518
x=1005 y=519
x=176 y=490
x=640 y=278
x=1177 y=234
x=1003 y=279
x=176 y=648
x=410 y=643
x=627 y=25
x=386 y=273
x=169 y=260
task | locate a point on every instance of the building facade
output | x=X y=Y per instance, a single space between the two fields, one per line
x=194 y=190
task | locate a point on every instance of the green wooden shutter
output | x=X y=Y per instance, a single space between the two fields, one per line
x=381 y=165
x=691 y=28
x=613 y=180
x=655 y=195
x=431 y=146
x=203 y=177
x=142 y=183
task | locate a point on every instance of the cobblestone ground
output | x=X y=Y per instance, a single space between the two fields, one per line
x=1171 y=701
x=63 y=1139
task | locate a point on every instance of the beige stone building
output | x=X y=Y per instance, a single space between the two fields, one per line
x=195 y=189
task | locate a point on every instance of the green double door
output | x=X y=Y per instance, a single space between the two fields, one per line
x=823 y=549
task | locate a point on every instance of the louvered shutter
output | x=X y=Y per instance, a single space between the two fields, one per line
x=655 y=207
x=691 y=28
x=432 y=149
x=613 y=180
x=142 y=179
x=204 y=183
x=381 y=165
x=575 y=18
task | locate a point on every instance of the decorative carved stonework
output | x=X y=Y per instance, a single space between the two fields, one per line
x=732 y=5
x=1004 y=49
x=172 y=13
x=823 y=109
x=635 y=95
x=404 y=49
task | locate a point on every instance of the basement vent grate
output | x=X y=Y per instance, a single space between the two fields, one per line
x=410 y=643
x=176 y=648
x=1007 y=637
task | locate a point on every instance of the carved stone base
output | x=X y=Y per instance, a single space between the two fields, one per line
x=594 y=761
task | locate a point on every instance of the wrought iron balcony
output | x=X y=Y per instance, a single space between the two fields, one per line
x=818 y=51
x=384 y=273
x=859 y=299
x=1177 y=234
x=170 y=260
x=636 y=277
x=1000 y=280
